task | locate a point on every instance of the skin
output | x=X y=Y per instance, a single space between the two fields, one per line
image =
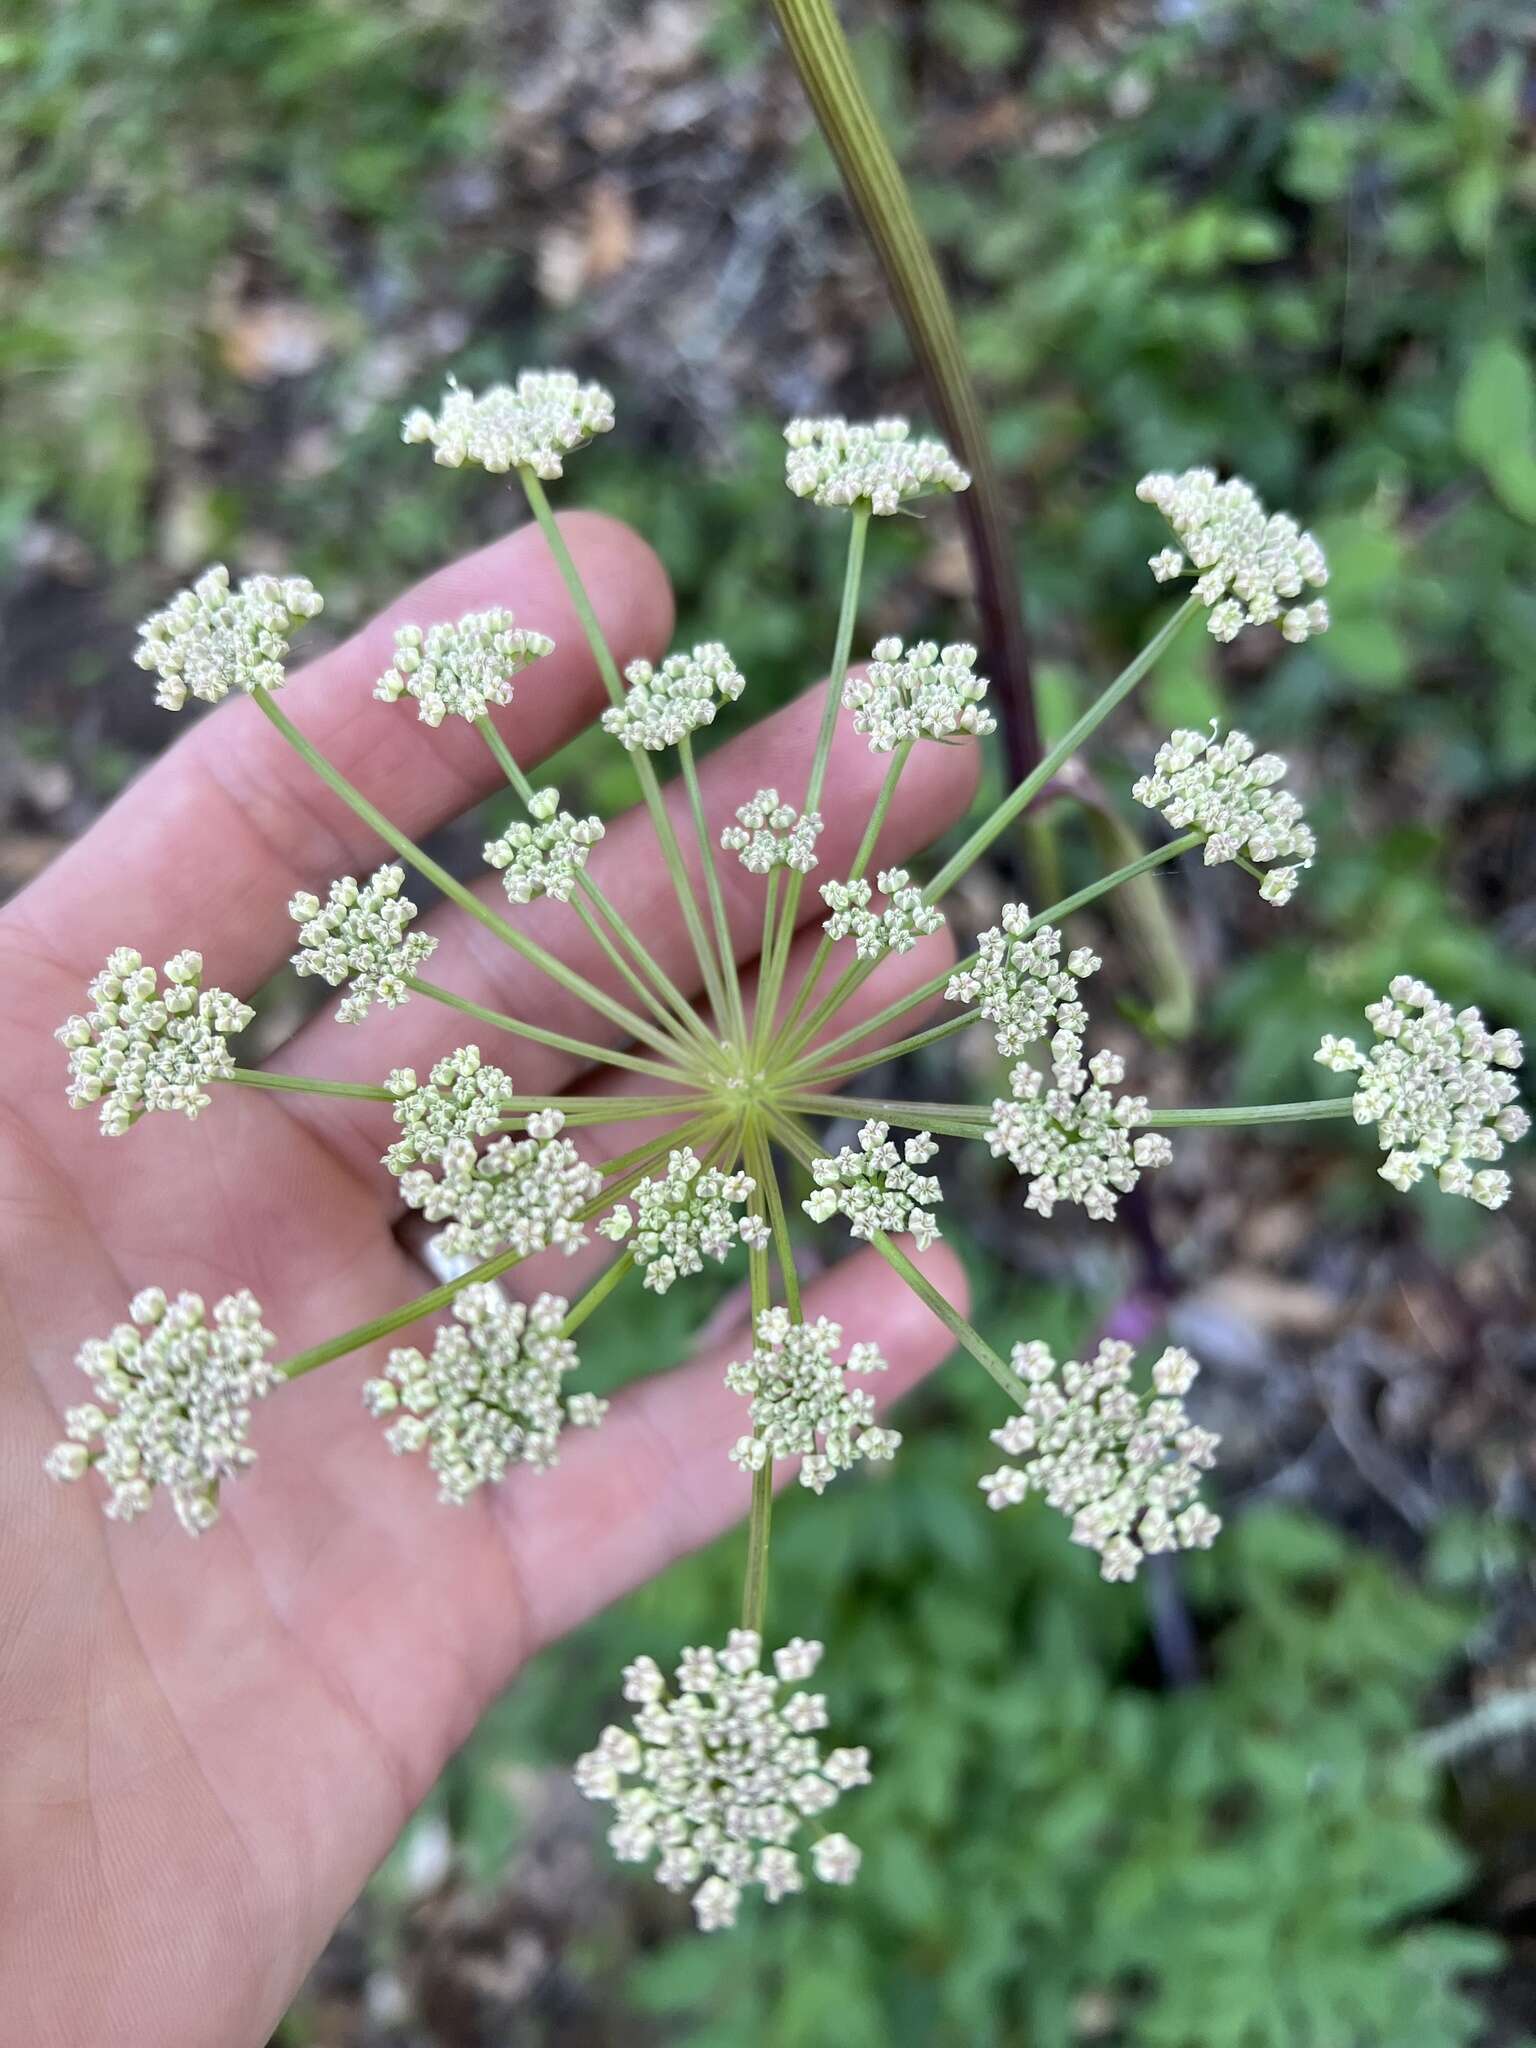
x=206 y=1747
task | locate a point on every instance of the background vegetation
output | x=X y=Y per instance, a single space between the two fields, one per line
x=1293 y=237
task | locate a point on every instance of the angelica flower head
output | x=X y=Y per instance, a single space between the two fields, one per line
x=210 y=639
x=489 y=1396
x=1075 y=1139
x=1019 y=984
x=877 y=1186
x=464 y=1097
x=534 y=424
x=720 y=1772
x=521 y=1194
x=361 y=935
x=926 y=692
x=1124 y=1465
x=663 y=706
x=769 y=834
x=1250 y=564
x=878 y=466
x=896 y=928
x=173 y=1389
x=682 y=1217
x=1217 y=787
x=544 y=854
x=141 y=1047
x=801 y=1403
x=1437 y=1084
x=461 y=668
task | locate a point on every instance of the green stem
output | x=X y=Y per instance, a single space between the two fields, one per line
x=577 y=1048
x=949 y=1119
x=598 y=1293
x=1255 y=1113
x=754 y=1594
x=730 y=979
x=535 y=954
x=812 y=1069
x=301 y=1084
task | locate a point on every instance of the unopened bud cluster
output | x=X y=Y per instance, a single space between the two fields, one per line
x=1125 y=1466
x=878 y=466
x=173 y=1392
x=1221 y=788
x=1250 y=566
x=489 y=1396
x=904 y=918
x=769 y=834
x=878 y=1187
x=361 y=936
x=211 y=640
x=684 y=1216
x=519 y=1194
x=461 y=669
x=544 y=854
x=141 y=1047
x=1019 y=985
x=665 y=705
x=534 y=424
x=802 y=1406
x=1438 y=1087
x=1075 y=1140
x=464 y=1097
x=926 y=692
x=721 y=1772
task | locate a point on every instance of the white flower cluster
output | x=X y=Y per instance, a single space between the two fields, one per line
x=878 y=1187
x=1074 y=1139
x=520 y=1194
x=727 y=1773
x=836 y=464
x=1019 y=985
x=664 y=705
x=173 y=1404
x=1216 y=786
x=1437 y=1086
x=799 y=1394
x=684 y=1216
x=543 y=855
x=464 y=1097
x=1125 y=1466
x=210 y=639
x=533 y=424
x=463 y=668
x=1249 y=565
x=490 y=1394
x=768 y=834
x=926 y=692
x=896 y=928
x=360 y=935
x=141 y=1047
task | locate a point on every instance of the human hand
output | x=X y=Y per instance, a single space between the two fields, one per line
x=205 y=1748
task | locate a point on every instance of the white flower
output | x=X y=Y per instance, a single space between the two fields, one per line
x=1073 y=1140
x=521 y=1194
x=463 y=668
x=1217 y=787
x=490 y=1394
x=1248 y=563
x=802 y=1406
x=685 y=1216
x=360 y=935
x=1019 y=985
x=141 y=1047
x=173 y=1394
x=210 y=639
x=546 y=416
x=836 y=464
x=927 y=692
x=1124 y=1465
x=1437 y=1086
x=896 y=928
x=878 y=1188
x=769 y=834
x=663 y=706
x=464 y=1097
x=723 y=1774
x=544 y=855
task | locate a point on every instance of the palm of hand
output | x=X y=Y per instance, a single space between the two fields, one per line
x=204 y=1748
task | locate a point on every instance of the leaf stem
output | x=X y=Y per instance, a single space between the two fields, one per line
x=578 y=1048
x=303 y=1084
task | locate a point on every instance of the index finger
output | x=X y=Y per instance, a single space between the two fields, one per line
x=206 y=847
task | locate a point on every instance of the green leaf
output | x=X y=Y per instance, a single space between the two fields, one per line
x=1496 y=422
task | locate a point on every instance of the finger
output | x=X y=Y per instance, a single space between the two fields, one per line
x=655 y=1481
x=628 y=868
x=207 y=846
